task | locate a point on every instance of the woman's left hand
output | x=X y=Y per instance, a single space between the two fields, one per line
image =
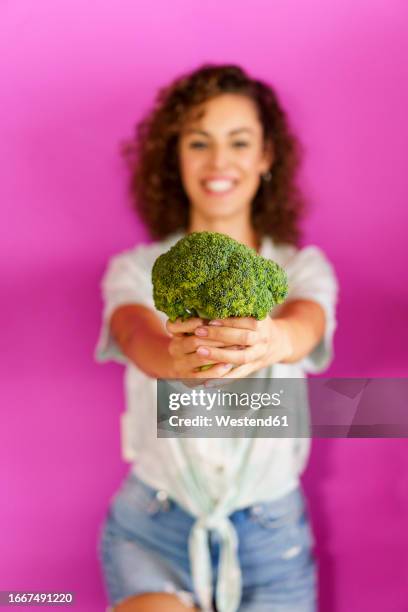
x=263 y=343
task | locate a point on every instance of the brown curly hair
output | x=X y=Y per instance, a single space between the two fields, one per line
x=156 y=187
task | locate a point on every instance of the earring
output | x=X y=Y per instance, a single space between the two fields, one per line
x=267 y=176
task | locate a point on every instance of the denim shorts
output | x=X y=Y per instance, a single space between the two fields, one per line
x=143 y=547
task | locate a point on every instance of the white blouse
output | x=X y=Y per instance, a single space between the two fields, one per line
x=212 y=477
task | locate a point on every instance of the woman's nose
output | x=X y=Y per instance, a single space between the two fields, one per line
x=219 y=157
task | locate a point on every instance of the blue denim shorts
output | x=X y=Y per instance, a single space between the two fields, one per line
x=143 y=547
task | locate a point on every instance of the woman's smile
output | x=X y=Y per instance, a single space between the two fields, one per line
x=219 y=187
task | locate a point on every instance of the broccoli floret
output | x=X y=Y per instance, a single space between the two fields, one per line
x=212 y=276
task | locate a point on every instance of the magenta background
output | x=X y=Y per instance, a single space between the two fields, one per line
x=76 y=76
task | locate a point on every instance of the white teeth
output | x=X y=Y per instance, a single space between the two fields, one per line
x=219 y=186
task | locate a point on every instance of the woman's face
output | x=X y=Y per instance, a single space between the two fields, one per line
x=221 y=156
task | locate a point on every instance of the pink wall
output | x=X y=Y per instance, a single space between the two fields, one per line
x=75 y=78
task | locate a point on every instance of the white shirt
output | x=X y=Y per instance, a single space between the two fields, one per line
x=213 y=477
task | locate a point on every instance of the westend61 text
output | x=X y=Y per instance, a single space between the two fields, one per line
x=228 y=421
x=223 y=399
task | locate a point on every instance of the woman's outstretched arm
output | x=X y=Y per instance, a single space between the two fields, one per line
x=289 y=337
x=143 y=339
x=304 y=321
x=159 y=353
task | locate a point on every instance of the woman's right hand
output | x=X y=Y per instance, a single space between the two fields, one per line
x=183 y=349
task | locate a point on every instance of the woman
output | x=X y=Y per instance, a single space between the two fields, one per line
x=214 y=154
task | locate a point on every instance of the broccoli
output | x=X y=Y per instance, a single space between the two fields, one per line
x=212 y=276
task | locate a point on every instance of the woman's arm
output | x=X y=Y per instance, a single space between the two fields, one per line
x=293 y=334
x=286 y=339
x=304 y=324
x=289 y=337
x=143 y=339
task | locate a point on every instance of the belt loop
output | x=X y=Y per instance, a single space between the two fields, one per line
x=163 y=499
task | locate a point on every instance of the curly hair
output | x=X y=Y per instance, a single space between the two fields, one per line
x=156 y=188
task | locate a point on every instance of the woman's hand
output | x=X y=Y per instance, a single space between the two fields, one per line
x=183 y=348
x=263 y=343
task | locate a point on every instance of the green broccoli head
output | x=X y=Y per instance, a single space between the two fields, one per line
x=213 y=276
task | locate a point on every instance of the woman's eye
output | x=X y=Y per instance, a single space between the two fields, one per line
x=201 y=145
x=197 y=145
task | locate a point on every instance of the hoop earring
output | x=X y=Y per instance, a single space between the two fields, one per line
x=266 y=176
